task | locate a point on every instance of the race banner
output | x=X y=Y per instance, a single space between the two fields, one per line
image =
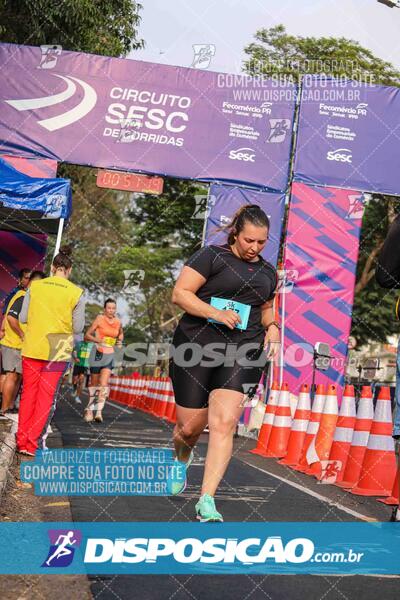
x=349 y=135
x=133 y=115
x=320 y=261
x=224 y=201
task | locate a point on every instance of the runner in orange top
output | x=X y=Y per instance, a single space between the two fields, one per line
x=105 y=332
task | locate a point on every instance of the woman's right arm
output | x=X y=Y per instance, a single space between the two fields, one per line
x=90 y=334
x=184 y=296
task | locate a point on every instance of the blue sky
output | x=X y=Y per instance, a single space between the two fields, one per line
x=171 y=27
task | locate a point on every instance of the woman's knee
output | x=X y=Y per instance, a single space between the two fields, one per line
x=188 y=430
x=224 y=424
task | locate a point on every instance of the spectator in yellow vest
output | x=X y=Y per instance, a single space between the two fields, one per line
x=11 y=343
x=53 y=310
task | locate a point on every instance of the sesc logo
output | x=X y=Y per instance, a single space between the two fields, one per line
x=245 y=154
x=340 y=155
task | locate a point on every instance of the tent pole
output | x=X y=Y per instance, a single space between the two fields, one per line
x=203 y=235
x=59 y=236
x=283 y=320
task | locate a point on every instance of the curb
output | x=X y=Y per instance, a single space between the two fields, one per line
x=7 y=452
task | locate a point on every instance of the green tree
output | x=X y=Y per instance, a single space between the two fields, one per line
x=152 y=310
x=99 y=227
x=276 y=52
x=107 y=28
x=173 y=218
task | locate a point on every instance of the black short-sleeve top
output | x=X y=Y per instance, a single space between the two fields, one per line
x=230 y=277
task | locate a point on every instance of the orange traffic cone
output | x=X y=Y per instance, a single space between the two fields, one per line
x=124 y=390
x=359 y=441
x=320 y=447
x=142 y=393
x=342 y=438
x=157 y=397
x=379 y=465
x=265 y=431
x=173 y=417
x=312 y=429
x=117 y=381
x=135 y=392
x=299 y=428
x=394 y=498
x=164 y=394
x=128 y=391
x=147 y=400
x=171 y=408
x=280 y=432
x=113 y=387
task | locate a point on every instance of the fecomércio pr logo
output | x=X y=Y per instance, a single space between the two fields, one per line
x=63 y=543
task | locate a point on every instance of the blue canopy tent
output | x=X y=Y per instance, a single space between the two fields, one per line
x=33 y=204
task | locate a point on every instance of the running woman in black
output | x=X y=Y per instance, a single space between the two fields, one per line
x=213 y=363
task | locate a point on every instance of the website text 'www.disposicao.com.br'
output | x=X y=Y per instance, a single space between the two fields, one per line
x=105 y=488
x=287 y=95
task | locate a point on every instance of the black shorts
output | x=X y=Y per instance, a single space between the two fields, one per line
x=78 y=370
x=101 y=361
x=193 y=383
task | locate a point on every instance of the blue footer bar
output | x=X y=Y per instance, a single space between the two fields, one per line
x=194 y=548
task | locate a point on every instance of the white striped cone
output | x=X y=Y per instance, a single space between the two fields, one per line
x=293 y=404
x=118 y=389
x=268 y=420
x=156 y=404
x=128 y=391
x=336 y=464
x=299 y=427
x=149 y=404
x=164 y=388
x=135 y=390
x=280 y=432
x=147 y=401
x=320 y=447
x=170 y=410
x=168 y=400
x=161 y=399
x=313 y=425
x=113 y=387
x=379 y=465
x=140 y=399
x=359 y=441
x=121 y=395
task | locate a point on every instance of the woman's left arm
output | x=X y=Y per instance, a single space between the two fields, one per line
x=120 y=336
x=272 y=333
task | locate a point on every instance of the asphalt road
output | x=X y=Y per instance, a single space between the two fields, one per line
x=254 y=489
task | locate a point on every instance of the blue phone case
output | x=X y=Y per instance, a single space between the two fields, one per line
x=243 y=310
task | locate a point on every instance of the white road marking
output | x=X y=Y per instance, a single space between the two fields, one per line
x=302 y=488
x=121 y=408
